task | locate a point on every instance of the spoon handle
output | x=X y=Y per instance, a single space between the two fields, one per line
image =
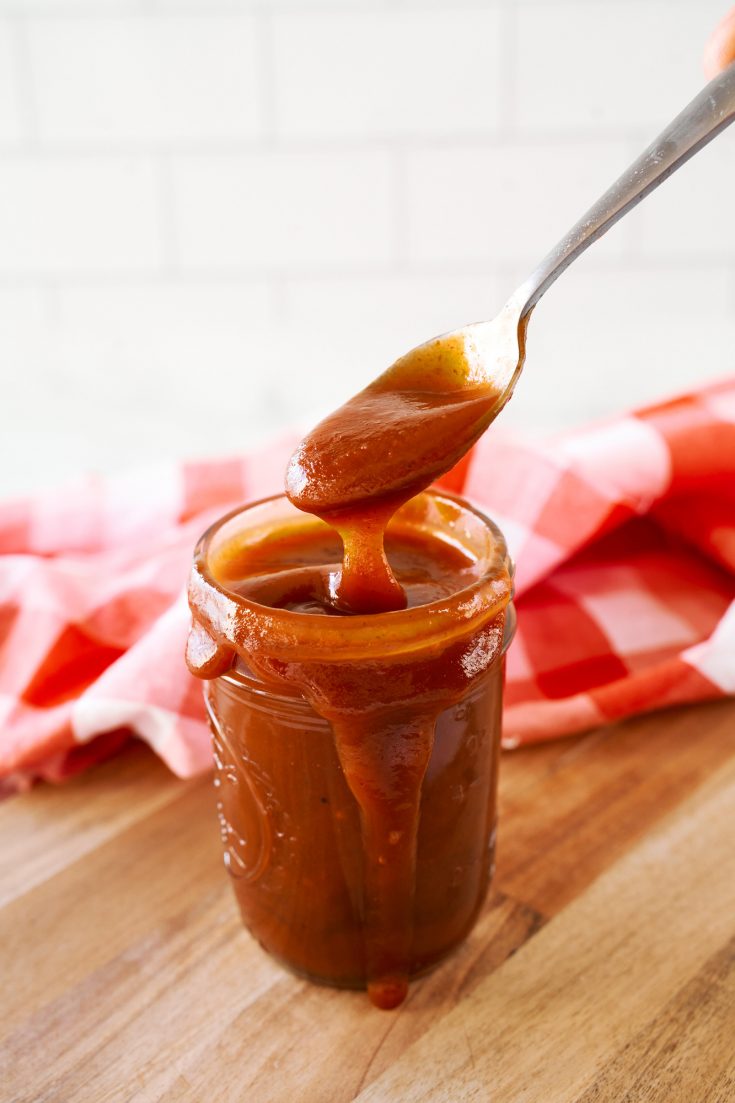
x=708 y=113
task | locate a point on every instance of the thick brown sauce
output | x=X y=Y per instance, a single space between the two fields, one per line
x=382 y=713
x=295 y=572
x=359 y=465
x=354 y=471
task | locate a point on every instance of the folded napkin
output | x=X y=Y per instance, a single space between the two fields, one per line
x=623 y=535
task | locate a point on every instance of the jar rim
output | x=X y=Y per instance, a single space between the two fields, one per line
x=290 y=634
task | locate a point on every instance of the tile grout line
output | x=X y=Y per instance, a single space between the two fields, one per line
x=25 y=83
x=265 y=60
x=400 y=214
x=506 y=271
x=476 y=140
x=166 y=202
x=508 y=75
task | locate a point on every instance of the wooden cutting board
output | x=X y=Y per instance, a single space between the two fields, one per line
x=602 y=968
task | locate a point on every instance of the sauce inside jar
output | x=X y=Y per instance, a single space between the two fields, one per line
x=393 y=899
x=296 y=571
x=363 y=561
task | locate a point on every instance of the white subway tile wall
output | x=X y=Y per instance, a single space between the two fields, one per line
x=273 y=212
x=383 y=74
x=148 y=79
x=503 y=205
x=11 y=117
x=68 y=215
x=218 y=218
x=608 y=67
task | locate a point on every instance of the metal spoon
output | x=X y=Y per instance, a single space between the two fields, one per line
x=414 y=421
x=502 y=340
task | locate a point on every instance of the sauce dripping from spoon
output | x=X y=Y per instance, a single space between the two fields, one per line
x=389 y=442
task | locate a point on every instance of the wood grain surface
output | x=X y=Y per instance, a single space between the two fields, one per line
x=602 y=968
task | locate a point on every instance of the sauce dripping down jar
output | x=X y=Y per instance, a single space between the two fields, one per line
x=356 y=756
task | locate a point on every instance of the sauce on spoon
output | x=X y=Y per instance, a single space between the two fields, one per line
x=389 y=442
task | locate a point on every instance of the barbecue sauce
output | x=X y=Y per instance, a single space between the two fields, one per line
x=354 y=471
x=359 y=465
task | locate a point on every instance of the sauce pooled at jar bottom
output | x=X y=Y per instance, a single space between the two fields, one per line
x=382 y=710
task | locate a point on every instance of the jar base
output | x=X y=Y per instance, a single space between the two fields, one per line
x=359 y=984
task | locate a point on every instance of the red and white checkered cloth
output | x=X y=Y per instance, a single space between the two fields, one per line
x=623 y=534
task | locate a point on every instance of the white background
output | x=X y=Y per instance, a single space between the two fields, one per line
x=219 y=218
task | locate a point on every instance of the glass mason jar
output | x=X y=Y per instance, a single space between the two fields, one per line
x=292 y=829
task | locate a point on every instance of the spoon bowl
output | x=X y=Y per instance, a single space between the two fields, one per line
x=440 y=397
